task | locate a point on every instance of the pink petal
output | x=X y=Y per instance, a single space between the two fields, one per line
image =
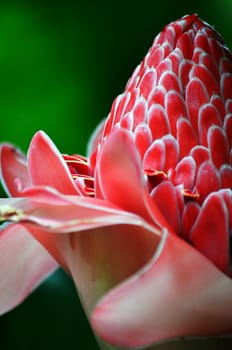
x=203 y=74
x=176 y=109
x=184 y=69
x=156 y=56
x=196 y=96
x=226 y=176
x=155 y=157
x=218 y=145
x=103 y=254
x=158 y=122
x=111 y=117
x=216 y=50
x=210 y=234
x=206 y=60
x=119 y=164
x=163 y=66
x=13 y=170
x=225 y=65
x=120 y=179
x=176 y=59
x=201 y=41
x=94 y=142
x=133 y=97
x=219 y=104
x=178 y=293
x=62 y=213
x=55 y=220
x=95 y=137
x=165 y=193
x=157 y=96
x=200 y=154
x=47 y=167
x=24 y=265
x=186 y=136
x=190 y=214
x=170 y=81
x=185 y=173
x=171 y=151
x=143 y=138
x=185 y=44
x=208 y=116
x=139 y=112
x=121 y=106
x=102 y=258
x=147 y=83
x=207 y=180
x=127 y=121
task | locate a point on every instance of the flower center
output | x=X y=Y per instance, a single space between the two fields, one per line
x=81 y=173
x=154 y=178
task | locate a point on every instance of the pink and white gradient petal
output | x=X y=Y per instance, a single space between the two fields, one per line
x=24 y=264
x=178 y=293
x=47 y=167
x=13 y=170
x=120 y=164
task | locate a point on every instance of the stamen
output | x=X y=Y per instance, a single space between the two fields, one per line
x=190 y=195
x=155 y=177
x=8 y=213
x=80 y=171
x=75 y=161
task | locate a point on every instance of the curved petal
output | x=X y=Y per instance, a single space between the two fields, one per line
x=93 y=143
x=47 y=167
x=96 y=264
x=179 y=293
x=92 y=256
x=45 y=212
x=13 y=170
x=62 y=213
x=210 y=233
x=119 y=164
x=24 y=264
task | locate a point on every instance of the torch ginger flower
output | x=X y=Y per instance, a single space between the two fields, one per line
x=143 y=225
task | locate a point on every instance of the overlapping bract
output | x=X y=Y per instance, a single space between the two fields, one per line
x=178 y=106
x=144 y=225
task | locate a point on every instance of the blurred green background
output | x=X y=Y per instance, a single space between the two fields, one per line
x=61 y=65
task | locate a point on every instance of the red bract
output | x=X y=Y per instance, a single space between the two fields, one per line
x=177 y=106
x=144 y=224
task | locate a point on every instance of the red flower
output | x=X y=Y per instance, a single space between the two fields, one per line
x=145 y=222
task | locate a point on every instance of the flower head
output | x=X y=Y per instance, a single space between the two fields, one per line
x=177 y=106
x=143 y=225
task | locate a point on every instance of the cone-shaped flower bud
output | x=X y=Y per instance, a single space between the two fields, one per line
x=144 y=223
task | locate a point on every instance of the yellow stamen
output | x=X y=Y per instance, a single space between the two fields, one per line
x=8 y=213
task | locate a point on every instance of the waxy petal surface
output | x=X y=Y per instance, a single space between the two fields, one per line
x=88 y=246
x=150 y=305
x=13 y=170
x=62 y=213
x=24 y=264
x=47 y=167
x=119 y=164
x=210 y=234
x=48 y=215
x=104 y=257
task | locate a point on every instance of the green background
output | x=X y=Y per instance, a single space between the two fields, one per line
x=61 y=65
